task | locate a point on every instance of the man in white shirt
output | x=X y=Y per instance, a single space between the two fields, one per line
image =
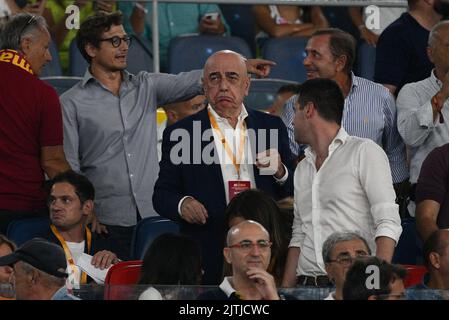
x=210 y=157
x=344 y=183
x=70 y=202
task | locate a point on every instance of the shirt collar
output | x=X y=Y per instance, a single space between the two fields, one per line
x=226 y=286
x=126 y=76
x=242 y=116
x=339 y=140
x=435 y=80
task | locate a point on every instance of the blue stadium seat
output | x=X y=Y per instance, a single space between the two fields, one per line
x=61 y=84
x=288 y=53
x=191 y=52
x=77 y=63
x=262 y=92
x=140 y=57
x=20 y=231
x=54 y=67
x=409 y=248
x=366 y=58
x=146 y=231
x=241 y=20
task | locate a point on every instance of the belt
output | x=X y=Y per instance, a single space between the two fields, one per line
x=318 y=281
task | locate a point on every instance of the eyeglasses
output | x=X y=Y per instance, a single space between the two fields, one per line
x=116 y=41
x=347 y=261
x=247 y=246
x=29 y=22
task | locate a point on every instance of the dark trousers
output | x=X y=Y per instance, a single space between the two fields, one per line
x=120 y=240
x=7 y=216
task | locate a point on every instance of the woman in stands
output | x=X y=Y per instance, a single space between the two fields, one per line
x=172 y=259
x=287 y=21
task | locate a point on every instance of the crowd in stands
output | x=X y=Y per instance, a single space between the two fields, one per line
x=307 y=193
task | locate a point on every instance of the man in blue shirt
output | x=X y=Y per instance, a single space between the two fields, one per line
x=369 y=110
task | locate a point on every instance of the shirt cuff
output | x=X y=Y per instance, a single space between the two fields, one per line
x=425 y=116
x=282 y=180
x=180 y=203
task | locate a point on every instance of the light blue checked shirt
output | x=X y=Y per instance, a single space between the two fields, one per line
x=369 y=112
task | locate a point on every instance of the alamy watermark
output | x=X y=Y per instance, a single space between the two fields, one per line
x=198 y=147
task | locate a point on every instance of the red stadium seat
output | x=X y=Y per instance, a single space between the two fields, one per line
x=118 y=279
x=414 y=274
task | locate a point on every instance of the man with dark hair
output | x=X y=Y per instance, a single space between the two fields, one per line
x=70 y=202
x=369 y=109
x=435 y=251
x=31 y=125
x=39 y=271
x=371 y=278
x=401 y=50
x=110 y=125
x=344 y=183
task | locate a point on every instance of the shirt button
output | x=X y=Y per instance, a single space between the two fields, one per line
x=131 y=175
x=172 y=24
x=129 y=155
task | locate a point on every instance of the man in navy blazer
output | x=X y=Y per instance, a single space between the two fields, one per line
x=211 y=156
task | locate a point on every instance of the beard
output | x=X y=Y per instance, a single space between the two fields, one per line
x=441 y=7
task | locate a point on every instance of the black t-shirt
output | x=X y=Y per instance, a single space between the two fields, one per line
x=401 y=53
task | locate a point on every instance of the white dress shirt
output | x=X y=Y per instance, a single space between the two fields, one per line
x=352 y=191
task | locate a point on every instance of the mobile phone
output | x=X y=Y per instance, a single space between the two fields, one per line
x=211 y=16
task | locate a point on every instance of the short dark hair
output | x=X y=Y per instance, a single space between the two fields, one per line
x=435 y=243
x=412 y=3
x=341 y=43
x=327 y=97
x=91 y=30
x=289 y=88
x=83 y=187
x=355 y=287
x=172 y=259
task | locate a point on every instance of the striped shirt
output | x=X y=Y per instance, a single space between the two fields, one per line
x=369 y=112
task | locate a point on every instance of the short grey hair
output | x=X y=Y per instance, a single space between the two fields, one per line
x=337 y=237
x=23 y=25
x=433 y=35
x=235 y=228
x=48 y=279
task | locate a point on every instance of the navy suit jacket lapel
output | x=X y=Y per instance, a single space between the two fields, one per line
x=216 y=176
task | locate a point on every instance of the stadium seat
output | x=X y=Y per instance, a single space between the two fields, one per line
x=191 y=52
x=414 y=275
x=53 y=68
x=118 y=279
x=140 y=57
x=366 y=59
x=146 y=231
x=77 y=63
x=262 y=92
x=62 y=84
x=409 y=248
x=20 y=231
x=288 y=53
x=241 y=21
